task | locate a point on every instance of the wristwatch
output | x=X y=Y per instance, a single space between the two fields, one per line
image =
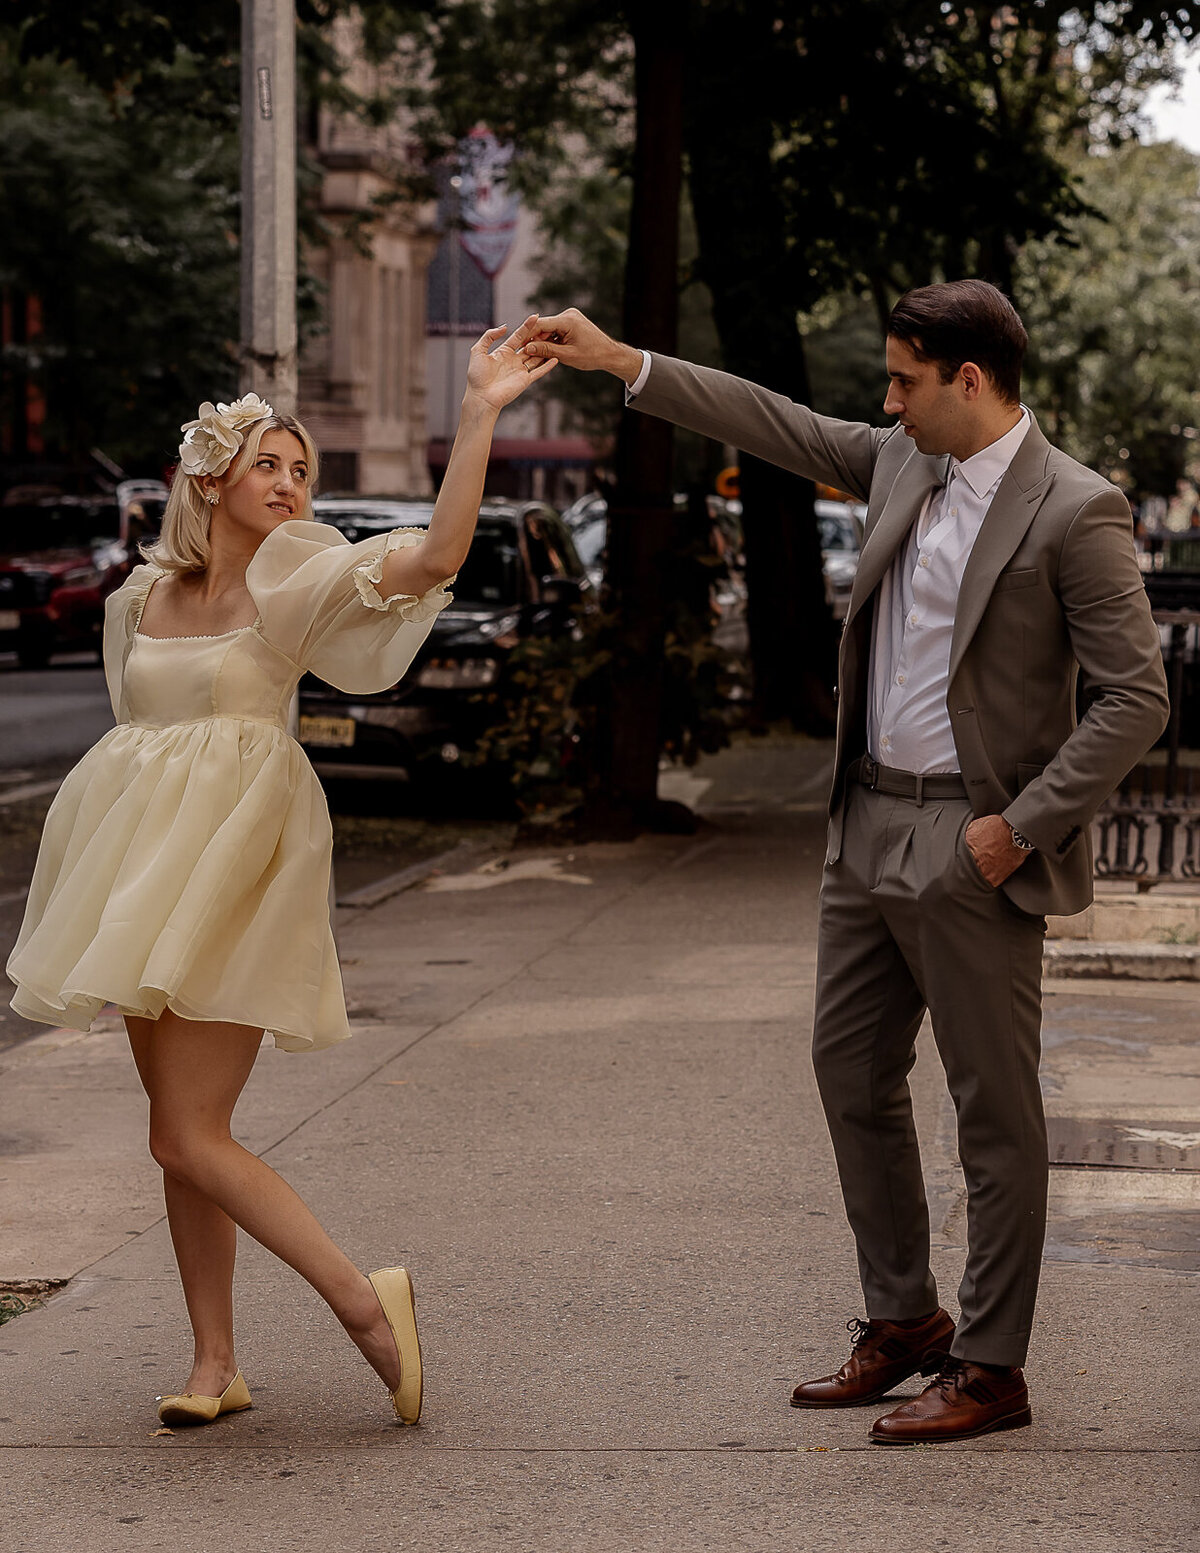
x=1023 y=842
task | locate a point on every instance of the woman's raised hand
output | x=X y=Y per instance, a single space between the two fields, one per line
x=498 y=372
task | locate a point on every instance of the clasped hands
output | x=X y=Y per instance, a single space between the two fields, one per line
x=577 y=342
x=501 y=369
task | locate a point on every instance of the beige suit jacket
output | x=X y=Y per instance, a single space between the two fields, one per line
x=1050 y=593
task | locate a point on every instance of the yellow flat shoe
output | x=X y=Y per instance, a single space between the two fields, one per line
x=394 y=1290
x=190 y=1408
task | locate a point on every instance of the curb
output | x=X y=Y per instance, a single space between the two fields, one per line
x=1136 y=962
x=380 y=890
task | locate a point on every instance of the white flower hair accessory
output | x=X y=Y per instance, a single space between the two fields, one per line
x=211 y=442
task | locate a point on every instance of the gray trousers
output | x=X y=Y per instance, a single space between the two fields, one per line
x=908 y=922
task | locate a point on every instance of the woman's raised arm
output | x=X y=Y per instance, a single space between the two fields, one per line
x=497 y=374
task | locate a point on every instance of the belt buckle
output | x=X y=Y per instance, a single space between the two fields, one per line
x=869 y=773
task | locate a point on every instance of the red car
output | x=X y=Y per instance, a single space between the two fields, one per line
x=60 y=558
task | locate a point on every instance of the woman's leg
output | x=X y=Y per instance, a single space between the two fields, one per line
x=194 y=1073
x=205 y=1241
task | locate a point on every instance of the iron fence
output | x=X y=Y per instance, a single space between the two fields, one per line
x=1148 y=832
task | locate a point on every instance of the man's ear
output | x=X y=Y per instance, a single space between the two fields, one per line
x=973 y=379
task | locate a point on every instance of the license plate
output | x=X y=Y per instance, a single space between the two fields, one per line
x=10 y=619
x=329 y=732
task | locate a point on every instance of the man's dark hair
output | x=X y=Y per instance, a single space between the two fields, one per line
x=964 y=320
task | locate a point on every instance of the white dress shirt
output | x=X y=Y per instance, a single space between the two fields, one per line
x=908 y=725
x=633 y=389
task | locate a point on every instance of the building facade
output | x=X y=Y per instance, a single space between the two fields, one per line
x=363 y=378
x=407 y=287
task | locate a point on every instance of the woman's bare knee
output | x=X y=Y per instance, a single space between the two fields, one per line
x=184 y=1153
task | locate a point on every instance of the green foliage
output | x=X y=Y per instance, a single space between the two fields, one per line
x=119 y=196
x=541 y=725
x=129 y=49
x=544 y=728
x=843 y=344
x=17 y=1300
x=1113 y=314
x=550 y=75
x=125 y=231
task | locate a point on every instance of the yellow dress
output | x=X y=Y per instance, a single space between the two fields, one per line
x=185 y=860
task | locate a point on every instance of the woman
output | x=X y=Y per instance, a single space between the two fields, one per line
x=183 y=872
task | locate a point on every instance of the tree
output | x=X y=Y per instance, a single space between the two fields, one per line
x=119 y=197
x=125 y=231
x=1113 y=313
x=641 y=512
x=747 y=262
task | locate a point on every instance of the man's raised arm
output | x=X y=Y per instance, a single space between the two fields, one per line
x=718 y=405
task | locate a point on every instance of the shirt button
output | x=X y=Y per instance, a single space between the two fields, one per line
x=954 y=512
x=924 y=560
x=913 y=618
x=899 y=679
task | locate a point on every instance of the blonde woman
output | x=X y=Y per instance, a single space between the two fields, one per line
x=184 y=868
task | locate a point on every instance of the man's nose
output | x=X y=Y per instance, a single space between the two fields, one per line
x=892 y=404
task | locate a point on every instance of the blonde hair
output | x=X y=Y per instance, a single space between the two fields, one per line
x=183 y=543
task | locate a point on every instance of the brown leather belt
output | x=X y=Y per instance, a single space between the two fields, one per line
x=905 y=784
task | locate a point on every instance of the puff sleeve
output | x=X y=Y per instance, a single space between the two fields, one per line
x=122 y=611
x=318 y=605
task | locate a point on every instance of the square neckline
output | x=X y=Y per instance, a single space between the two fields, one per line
x=201 y=636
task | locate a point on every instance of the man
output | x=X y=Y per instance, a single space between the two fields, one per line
x=995 y=572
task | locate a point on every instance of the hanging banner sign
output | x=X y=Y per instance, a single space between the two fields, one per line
x=489 y=210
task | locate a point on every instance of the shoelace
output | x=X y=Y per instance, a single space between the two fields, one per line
x=859 y=1332
x=951 y=1376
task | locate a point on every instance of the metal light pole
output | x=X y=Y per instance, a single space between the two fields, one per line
x=454 y=232
x=268 y=346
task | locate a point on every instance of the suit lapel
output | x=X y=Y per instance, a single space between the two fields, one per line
x=921 y=474
x=1014 y=507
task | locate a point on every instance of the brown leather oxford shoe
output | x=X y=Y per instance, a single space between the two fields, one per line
x=964 y=1400
x=884 y=1354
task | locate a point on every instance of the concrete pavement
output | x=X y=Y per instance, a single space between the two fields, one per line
x=579 y=1106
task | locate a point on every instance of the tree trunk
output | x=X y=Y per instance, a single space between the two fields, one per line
x=745 y=261
x=641 y=518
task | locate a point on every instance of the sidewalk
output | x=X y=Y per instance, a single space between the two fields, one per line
x=579 y=1107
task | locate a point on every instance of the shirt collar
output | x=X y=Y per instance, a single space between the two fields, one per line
x=986 y=468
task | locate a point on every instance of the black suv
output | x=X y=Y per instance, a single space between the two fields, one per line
x=522 y=578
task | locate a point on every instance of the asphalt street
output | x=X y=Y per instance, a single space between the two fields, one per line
x=49 y=717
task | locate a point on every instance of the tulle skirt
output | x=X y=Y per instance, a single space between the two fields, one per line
x=186 y=868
